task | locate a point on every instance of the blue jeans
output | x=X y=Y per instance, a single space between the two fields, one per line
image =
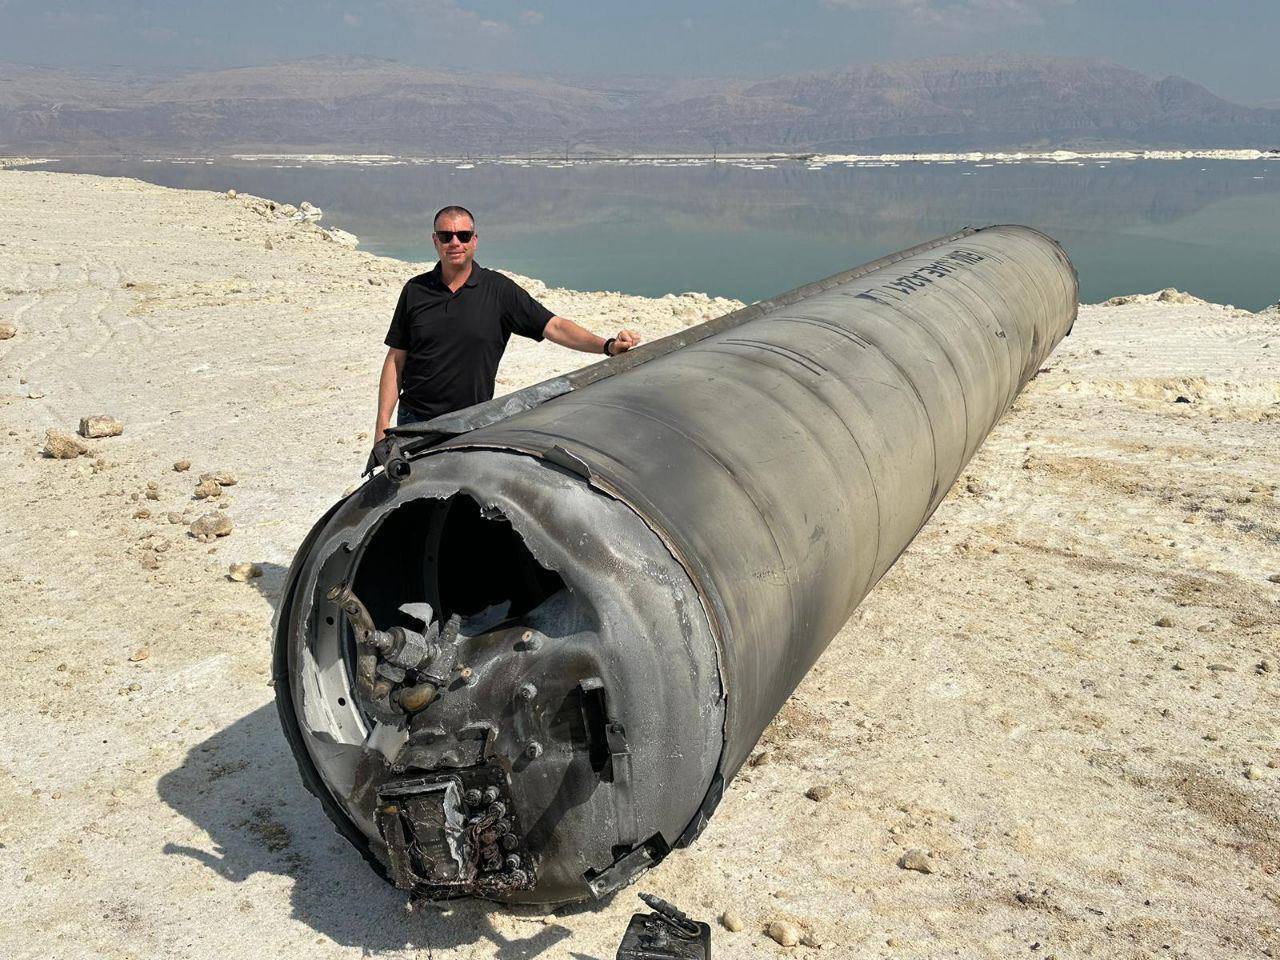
x=406 y=414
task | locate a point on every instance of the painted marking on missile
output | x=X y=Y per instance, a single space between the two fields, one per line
x=922 y=277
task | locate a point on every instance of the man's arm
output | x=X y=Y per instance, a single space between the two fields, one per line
x=388 y=390
x=565 y=332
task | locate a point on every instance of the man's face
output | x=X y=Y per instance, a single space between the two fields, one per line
x=449 y=246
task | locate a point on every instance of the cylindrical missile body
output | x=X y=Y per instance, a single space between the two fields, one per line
x=644 y=567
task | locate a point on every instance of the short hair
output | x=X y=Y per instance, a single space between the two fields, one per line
x=452 y=210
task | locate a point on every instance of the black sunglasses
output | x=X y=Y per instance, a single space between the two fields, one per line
x=446 y=236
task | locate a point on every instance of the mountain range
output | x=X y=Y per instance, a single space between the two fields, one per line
x=362 y=105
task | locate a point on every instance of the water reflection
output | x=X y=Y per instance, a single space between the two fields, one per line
x=1209 y=226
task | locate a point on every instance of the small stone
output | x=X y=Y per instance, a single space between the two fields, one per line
x=784 y=933
x=149 y=561
x=139 y=655
x=731 y=921
x=244 y=572
x=1222 y=668
x=223 y=478
x=1165 y=622
x=206 y=489
x=818 y=793
x=61 y=445
x=8 y=331
x=1205 y=628
x=812 y=941
x=916 y=860
x=231 y=194
x=1193 y=518
x=152 y=492
x=1274 y=578
x=1264 y=666
x=35 y=394
x=1253 y=773
x=181 y=466
x=760 y=759
x=142 y=513
x=100 y=425
x=211 y=525
x=267 y=244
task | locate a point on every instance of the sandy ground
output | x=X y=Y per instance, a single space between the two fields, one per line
x=1066 y=691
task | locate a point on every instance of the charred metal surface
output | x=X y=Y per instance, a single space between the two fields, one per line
x=596 y=593
x=665 y=934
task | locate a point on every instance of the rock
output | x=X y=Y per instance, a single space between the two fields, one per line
x=916 y=860
x=8 y=331
x=267 y=244
x=244 y=572
x=61 y=445
x=287 y=210
x=206 y=489
x=1264 y=666
x=784 y=933
x=181 y=466
x=100 y=425
x=139 y=655
x=1165 y=622
x=231 y=194
x=731 y=921
x=1253 y=773
x=174 y=517
x=210 y=526
x=152 y=491
x=818 y=793
x=1193 y=518
x=1274 y=578
x=760 y=759
x=223 y=478
x=342 y=238
x=142 y=513
x=35 y=394
x=812 y=941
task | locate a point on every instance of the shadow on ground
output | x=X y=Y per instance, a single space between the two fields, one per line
x=242 y=788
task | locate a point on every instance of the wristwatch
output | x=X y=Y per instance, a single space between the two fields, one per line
x=608 y=346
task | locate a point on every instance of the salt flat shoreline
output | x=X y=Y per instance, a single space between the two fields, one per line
x=1065 y=691
x=766 y=160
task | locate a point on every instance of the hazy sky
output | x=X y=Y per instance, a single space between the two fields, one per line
x=1229 y=45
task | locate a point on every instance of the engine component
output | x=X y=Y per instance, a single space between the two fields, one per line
x=664 y=934
x=635 y=565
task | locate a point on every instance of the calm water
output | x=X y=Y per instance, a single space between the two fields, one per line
x=1211 y=227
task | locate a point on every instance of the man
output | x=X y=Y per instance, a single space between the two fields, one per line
x=451 y=327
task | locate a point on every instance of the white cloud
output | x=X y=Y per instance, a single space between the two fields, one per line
x=959 y=12
x=531 y=18
x=446 y=17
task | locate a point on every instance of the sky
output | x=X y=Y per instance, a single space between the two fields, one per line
x=1229 y=45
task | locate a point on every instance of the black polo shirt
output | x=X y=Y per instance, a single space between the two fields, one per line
x=455 y=340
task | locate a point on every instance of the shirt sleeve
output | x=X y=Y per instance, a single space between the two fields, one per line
x=398 y=333
x=522 y=314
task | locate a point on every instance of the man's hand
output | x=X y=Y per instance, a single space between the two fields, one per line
x=568 y=334
x=624 y=341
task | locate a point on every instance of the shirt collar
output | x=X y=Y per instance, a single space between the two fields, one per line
x=437 y=275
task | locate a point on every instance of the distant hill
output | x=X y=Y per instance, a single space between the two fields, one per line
x=328 y=104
